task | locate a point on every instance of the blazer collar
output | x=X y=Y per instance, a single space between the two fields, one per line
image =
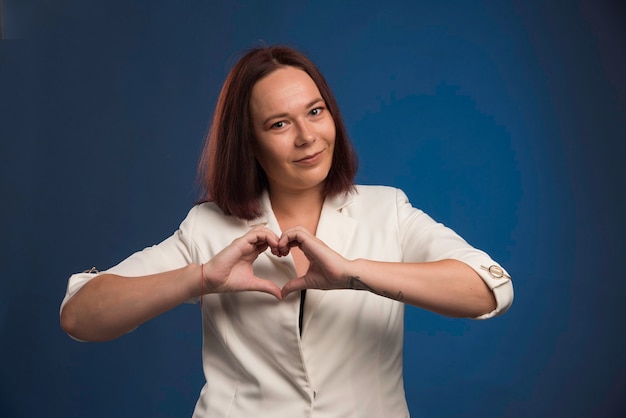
x=335 y=228
x=331 y=213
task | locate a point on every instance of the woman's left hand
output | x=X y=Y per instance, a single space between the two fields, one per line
x=449 y=287
x=327 y=269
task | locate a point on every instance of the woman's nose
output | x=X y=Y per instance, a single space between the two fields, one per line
x=305 y=134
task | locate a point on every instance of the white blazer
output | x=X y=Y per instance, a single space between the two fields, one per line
x=348 y=361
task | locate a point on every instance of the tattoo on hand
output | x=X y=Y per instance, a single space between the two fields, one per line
x=356 y=283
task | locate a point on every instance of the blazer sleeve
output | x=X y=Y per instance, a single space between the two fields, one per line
x=424 y=239
x=174 y=252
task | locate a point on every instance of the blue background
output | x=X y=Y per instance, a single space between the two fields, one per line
x=506 y=120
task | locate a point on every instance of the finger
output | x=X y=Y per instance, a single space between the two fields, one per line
x=261 y=247
x=293 y=285
x=258 y=240
x=293 y=237
x=262 y=234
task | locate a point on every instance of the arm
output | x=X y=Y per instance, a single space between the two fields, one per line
x=110 y=305
x=449 y=287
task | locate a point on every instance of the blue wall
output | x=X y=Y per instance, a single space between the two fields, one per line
x=506 y=120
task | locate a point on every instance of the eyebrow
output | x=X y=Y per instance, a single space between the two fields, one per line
x=282 y=115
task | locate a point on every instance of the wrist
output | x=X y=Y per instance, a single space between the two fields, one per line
x=192 y=276
x=352 y=272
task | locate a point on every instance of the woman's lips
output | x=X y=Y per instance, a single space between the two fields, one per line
x=310 y=159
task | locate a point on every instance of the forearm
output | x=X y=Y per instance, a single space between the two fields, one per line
x=447 y=287
x=109 y=306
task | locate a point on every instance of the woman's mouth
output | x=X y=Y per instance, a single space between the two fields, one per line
x=311 y=158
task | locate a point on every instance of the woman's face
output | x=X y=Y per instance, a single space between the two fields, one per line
x=295 y=132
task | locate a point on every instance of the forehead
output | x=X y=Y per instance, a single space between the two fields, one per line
x=283 y=89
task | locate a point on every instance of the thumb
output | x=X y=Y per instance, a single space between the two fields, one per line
x=293 y=285
x=266 y=286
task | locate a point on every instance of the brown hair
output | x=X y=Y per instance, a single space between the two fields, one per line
x=229 y=174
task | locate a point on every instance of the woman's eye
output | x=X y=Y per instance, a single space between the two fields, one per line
x=278 y=125
x=316 y=111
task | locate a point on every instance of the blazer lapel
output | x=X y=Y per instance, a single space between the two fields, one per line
x=335 y=229
x=270 y=222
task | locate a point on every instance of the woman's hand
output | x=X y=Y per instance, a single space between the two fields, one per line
x=231 y=269
x=448 y=287
x=327 y=269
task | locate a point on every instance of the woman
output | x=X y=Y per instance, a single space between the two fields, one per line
x=283 y=224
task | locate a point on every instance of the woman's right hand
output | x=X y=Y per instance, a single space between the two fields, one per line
x=231 y=269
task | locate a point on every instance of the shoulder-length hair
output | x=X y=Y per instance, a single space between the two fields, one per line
x=228 y=172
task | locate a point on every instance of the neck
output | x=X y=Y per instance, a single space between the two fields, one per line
x=302 y=208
